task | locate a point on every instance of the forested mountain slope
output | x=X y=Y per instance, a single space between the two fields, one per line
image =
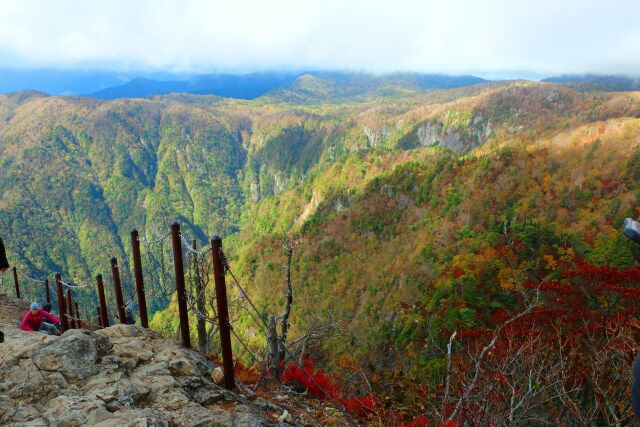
x=78 y=173
x=417 y=213
x=406 y=245
x=394 y=198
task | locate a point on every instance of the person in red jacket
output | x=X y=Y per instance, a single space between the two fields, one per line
x=33 y=321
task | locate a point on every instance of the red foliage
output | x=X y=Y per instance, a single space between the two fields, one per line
x=321 y=386
x=588 y=309
x=316 y=383
x=359 y=405
x=421 y=421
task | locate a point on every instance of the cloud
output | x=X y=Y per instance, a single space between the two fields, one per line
x=492 y=37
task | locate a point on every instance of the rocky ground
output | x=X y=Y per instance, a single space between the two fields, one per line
x=123 y=375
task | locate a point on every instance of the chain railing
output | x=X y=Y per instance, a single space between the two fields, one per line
x=196 y=272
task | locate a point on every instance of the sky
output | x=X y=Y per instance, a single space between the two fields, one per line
x=487 y=38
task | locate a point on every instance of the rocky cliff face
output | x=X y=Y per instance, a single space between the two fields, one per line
x=123 y=375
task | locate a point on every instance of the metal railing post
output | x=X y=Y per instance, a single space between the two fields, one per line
x=180 y=287
x=118 y=288
x=62 y=308
x=137 y=268
x=77 y=316
x=46 y=284
x=15 y=280
x=223 y=313
x=104 y=315
x=70 y=310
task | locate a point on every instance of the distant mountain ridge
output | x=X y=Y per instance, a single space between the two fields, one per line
x=279 y=86
x=590 y=82
x=308 y=86
x=337 y=86
x=297 y=86
x=248 y=86
x=72 y=82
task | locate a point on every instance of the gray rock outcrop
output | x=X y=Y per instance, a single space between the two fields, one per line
x=123 y=375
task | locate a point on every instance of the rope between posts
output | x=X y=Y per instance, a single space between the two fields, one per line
x=327 y=395
x=126 y=271
x=199 y=314
x=67 y=285
x=266 y=372
x=244 y=294
x=126 y=266
x=153 y=242
x=153 y=263
x=185 y=242
x=77 y=318
x=24 y=275
x=132 y=294
x=250 y=302
x=126 y=304
x=153 y=293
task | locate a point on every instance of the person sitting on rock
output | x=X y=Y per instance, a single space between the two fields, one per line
x=47 y=307
x=33 y=321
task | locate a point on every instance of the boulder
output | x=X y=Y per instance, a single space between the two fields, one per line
x=123 y=375
x=75 y=354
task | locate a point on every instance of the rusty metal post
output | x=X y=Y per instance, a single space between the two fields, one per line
x=180 y=287
x=46 y=284
x=137 y=268
x=89 y=323
x=70 y=310
x=223 y=313
x=15 y=279
x=118 y=287
x=62 y=307
x=75 y=304
x=104 y=316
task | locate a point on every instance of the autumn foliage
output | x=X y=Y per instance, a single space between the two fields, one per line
x=566 y=360
x=406 y=247
x=561 y=354
x=319 y=385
